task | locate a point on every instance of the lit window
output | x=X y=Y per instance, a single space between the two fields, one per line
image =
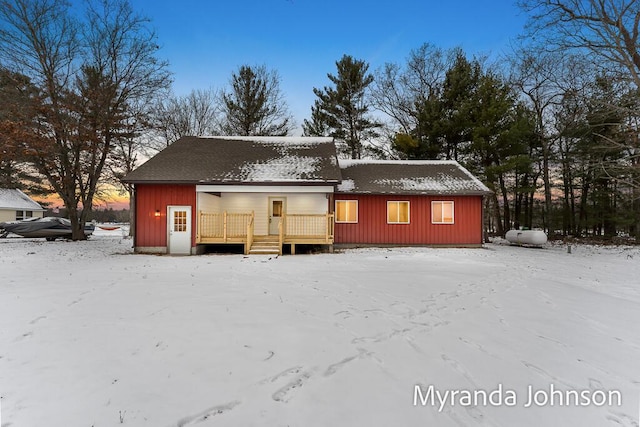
x=398 y=212
x=180 y=221
x=347 y=211
x=442 y=212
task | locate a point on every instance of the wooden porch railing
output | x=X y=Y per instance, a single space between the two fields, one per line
x=280 y=235
x=250 y=229
x=227 y=227
x=301 y=225
x=224 y=225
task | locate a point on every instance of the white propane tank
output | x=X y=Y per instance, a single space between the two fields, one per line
x=526 y=237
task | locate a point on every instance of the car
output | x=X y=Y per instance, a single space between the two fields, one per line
x=51 y=228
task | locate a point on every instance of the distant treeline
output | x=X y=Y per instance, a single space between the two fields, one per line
x=102 y=215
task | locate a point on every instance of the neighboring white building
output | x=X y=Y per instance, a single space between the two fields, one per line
x=15 y=205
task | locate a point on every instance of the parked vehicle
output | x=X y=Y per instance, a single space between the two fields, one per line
x=51 y=228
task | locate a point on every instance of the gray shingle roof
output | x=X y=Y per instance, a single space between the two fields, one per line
x=232 y=160
x=408 y=177
x=11 y=198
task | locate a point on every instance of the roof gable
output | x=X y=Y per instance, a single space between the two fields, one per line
x=233 y=160
x=12 y=198
x=426 y=177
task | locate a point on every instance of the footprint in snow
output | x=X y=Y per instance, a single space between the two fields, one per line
x=289 y=371
x=207 y=413
x=283 y=394
x=332 y=369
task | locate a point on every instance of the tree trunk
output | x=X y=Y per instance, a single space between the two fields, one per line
x=496 y=215
x=547 y=185
x=77 y=226
x=505 y=203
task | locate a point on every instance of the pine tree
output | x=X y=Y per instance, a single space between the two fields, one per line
x=343 y=108
x=254 y=105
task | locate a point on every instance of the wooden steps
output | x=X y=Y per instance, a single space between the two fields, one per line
x=265 y=245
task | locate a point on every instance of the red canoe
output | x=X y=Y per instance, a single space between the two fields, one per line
x=108 y=228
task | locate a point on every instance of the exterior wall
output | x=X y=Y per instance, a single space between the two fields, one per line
x=208 y=203
x=10 y=214
x=296 y=203
x=7 y=215
x=151 y=231
x=372 y=227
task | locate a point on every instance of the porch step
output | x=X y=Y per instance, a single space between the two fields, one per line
x=268 y=239
x=264 y=245
x=264 y=252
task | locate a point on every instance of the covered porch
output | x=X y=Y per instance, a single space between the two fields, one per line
x=264 y=219
x=240 y=228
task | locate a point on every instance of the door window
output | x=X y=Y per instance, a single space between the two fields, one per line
x=277 y=208
x=180 y=221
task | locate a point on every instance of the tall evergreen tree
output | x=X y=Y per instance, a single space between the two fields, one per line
x=459 y=105
x=343 y=108
x=254 y=104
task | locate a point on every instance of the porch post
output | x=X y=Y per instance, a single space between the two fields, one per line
x=224 y=226
x=326 y=225
x=198 y=226
x=281 y=226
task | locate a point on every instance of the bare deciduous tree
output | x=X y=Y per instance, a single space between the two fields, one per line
x=89 y=72
x=195 y=114
x=398 y=91
x=607 y=29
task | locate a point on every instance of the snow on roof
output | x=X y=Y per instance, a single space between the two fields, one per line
x=282 y=169
x=345 y=163
x=439 y=184
x=293 y=140
x=408 y=177
x=243 y=159
x=346 y=185
x=12 y=198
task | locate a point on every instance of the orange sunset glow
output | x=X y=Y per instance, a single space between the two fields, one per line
x=110 y=199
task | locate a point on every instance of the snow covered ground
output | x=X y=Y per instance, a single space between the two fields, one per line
x=91 y=335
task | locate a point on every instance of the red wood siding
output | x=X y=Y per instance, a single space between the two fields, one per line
x=372 y=224
x=151 y=231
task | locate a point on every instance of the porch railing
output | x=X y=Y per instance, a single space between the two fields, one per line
x=224 y=225
x=280 y=235
x=301 y=225
x=250 y=228
x=234 y=227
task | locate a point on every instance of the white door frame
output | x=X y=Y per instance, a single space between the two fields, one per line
x=178 y=242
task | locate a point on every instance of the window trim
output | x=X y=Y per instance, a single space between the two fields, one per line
x=442 y=202
x=398 y=212
x=346 y=211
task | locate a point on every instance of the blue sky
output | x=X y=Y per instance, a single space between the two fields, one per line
x=205 y=41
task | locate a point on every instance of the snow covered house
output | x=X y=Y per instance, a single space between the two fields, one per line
x=16 y=206
x=269 y=192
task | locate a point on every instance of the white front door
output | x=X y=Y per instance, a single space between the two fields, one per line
x=179 y=230
x=276 y=211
